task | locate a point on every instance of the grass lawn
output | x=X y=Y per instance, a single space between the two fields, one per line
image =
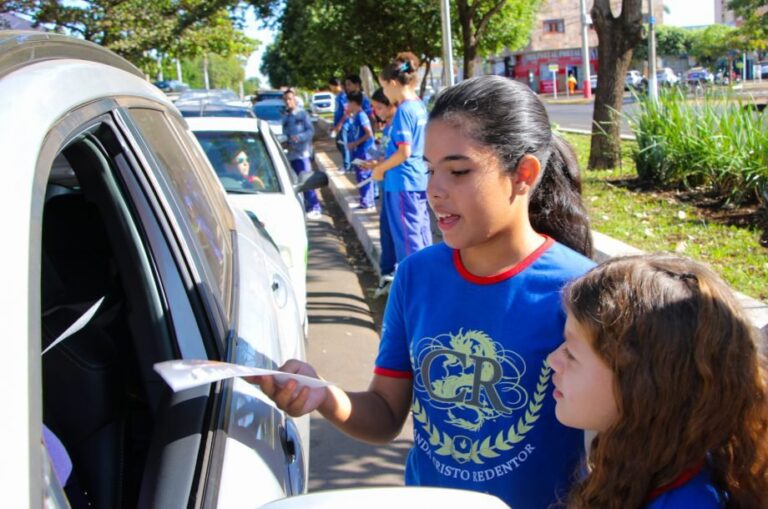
x=659 y=221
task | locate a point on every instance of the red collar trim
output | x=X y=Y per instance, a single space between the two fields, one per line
x=681 y=479
x=501 y=276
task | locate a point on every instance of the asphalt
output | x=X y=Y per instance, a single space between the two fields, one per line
x=365 y=223
x=342 y=345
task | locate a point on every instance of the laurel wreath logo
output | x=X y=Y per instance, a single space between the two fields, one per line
x=505 y=440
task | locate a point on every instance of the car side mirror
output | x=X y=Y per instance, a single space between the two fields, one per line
x=311 y=180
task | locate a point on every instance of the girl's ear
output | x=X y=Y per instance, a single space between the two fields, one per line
x=526 y=174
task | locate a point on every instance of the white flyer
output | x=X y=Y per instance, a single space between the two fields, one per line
x=184 y=374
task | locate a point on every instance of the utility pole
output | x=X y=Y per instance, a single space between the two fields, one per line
x=205 y=72
x=445 y=14
x=178 y=71
x=585 y=50
x=653 y=86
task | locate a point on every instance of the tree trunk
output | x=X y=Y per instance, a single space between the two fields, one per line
x=617 y=38
x=427 y=66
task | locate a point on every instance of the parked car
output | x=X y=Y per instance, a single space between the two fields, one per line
x=271 y=110
x=322 y=102
x=263 y=95
x=699 y=76
x=666 y=77
x=115 y=227
x=270 y=192
x=634 y=81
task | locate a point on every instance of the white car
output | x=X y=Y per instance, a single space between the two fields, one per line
x=268 y=191
x=121 y=251
x=666 y=77
x=323 y=102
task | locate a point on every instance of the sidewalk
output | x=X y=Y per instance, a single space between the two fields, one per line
x=366 y=222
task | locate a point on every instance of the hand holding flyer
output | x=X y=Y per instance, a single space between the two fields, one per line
x=185 y=374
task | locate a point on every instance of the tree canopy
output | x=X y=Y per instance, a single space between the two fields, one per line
x=140 y=30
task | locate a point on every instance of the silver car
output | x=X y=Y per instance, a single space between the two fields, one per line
x=120 y=251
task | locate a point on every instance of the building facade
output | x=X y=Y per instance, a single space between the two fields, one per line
x=724 y=15
x=555 y=43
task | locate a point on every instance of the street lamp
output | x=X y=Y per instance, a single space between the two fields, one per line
x=585 y=50
x=445 y=14
x=653 y=87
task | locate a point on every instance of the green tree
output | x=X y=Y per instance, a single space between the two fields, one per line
x=321 y=38
x=712 y=43
x=617 y=38
x=140 y=30
x=487 y=26
x=670 y=41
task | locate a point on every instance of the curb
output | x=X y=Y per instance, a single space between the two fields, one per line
x=366 y=226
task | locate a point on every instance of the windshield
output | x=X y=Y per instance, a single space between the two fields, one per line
x=241 y=161
x=269 y=111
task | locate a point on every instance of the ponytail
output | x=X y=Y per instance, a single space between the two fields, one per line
x=402 y=69
x=508 y=117
x=555 y=207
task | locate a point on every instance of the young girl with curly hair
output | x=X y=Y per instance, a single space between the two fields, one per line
x=661 y=362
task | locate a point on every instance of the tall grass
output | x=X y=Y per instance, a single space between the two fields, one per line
x=718 y=142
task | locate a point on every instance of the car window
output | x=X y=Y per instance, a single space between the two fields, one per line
x=240 y=160
x=272 y=111
x=197 y=197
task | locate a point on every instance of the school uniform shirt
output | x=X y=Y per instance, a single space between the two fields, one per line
x=476 y=348
x=297 y=123
x=408 y=126
x=341 y=109
x=688 y=491
x=359 y=123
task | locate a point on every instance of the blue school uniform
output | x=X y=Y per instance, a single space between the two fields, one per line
x=689 y=491
x=404 y=218
x=342 y=136
x=476 y=349
x=357 y=131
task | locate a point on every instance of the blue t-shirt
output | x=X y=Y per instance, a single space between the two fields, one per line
x=698 y=492
x=297 y=124
x=476 y=348
x=341 y=109
x=359 y=123
x=408 y=126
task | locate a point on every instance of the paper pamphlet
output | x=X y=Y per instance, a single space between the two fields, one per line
x=363 y=182
x=357 y=161
x=184 y=374
x=75 y=327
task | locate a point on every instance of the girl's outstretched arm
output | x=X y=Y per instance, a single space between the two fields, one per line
x=376 y=415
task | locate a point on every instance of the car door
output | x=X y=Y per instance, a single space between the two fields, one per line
x=136 y=222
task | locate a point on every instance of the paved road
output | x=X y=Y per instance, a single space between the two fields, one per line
x=579 y=116
x=343 y=341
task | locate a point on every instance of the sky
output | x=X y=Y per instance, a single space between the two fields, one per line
x=681 y=13
x=689 y=12
x=253 y=30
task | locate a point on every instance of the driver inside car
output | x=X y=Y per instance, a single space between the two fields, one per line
x=239 y=165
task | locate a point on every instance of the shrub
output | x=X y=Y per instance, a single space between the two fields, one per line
x=718 y=142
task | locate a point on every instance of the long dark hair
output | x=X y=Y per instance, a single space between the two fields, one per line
x=689 y=380
x=403 y=69
x=505 y=115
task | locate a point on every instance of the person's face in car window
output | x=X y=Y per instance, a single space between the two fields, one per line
x=240 y=164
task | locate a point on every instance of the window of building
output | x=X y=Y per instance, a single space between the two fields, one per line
x=554 y=26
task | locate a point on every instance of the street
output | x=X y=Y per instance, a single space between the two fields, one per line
x=342 y=345
x=579 y=116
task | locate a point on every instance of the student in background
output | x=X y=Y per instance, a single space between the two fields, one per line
x=661 y=362
x=360 y=143
x=385 y=111
x=298 y=129
x=403 y=173
x=340 y=129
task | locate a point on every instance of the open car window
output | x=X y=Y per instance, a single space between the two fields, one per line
x=241 y=161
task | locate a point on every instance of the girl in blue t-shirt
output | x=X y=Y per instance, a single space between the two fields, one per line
x=660 y=361
x=404 y=219
x=469 y=322
x=385 y=110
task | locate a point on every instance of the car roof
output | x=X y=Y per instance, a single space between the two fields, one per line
x=21 y=47
x=212 y=108
x=270 y=102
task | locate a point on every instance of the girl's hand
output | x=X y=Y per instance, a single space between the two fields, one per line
x=378 y=173
x=292 y=398
x=367 y=165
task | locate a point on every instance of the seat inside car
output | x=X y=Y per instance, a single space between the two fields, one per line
x=91 y=398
